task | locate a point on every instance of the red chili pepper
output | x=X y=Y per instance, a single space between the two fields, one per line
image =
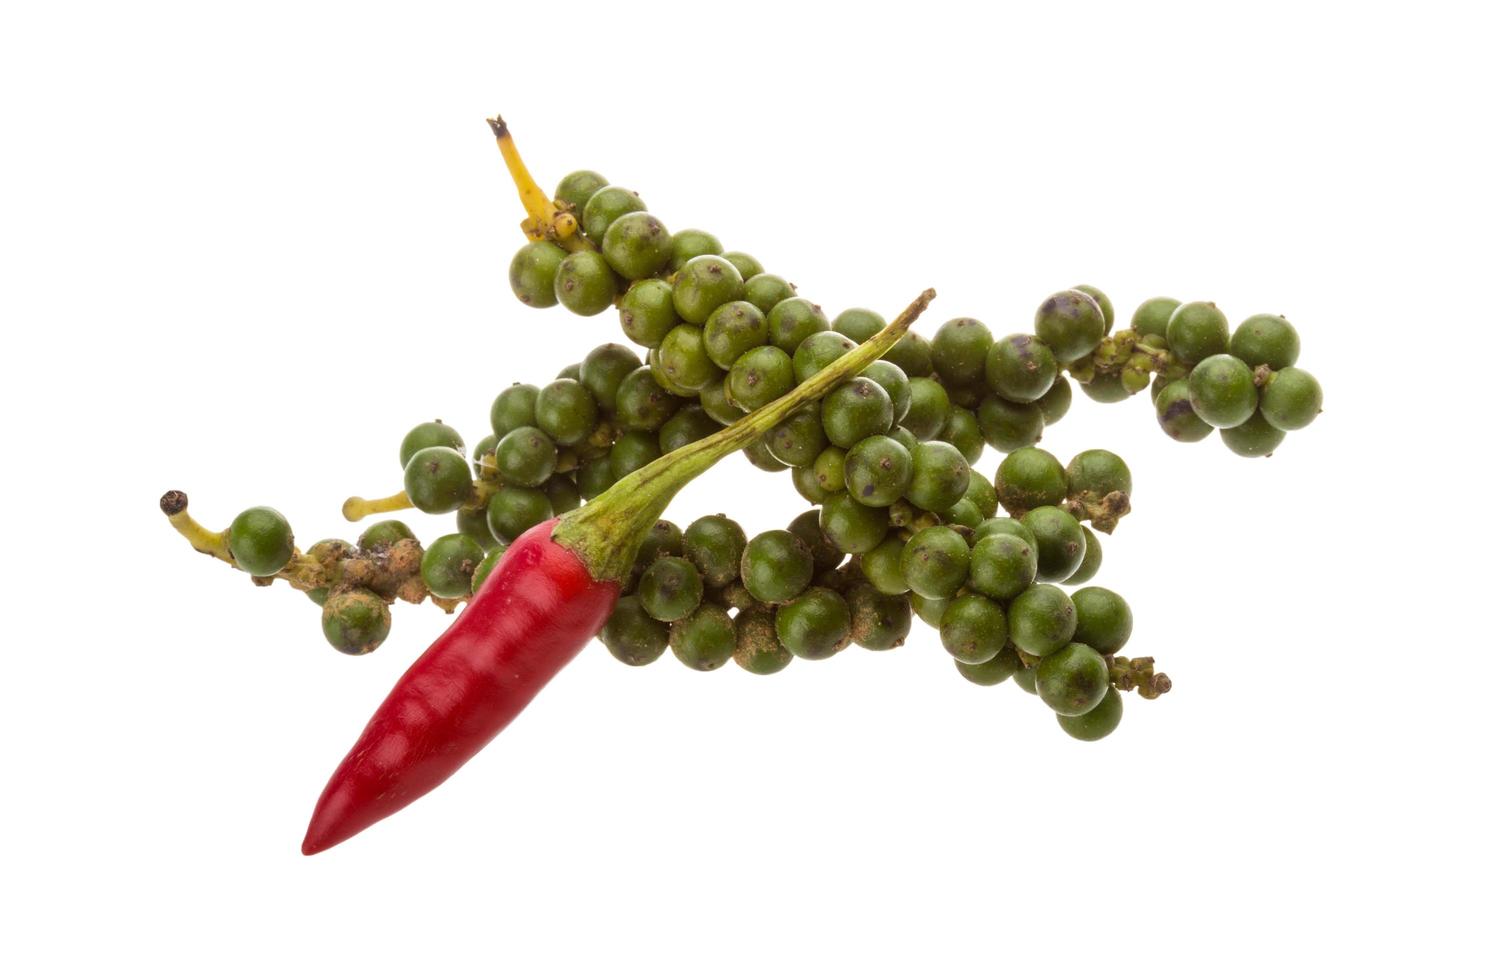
x=548 y=596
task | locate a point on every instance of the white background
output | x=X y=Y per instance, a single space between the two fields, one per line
x=244 y=249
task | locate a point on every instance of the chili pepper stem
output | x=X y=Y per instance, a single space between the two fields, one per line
x=214 y=543
x=607 y=533
x=357 y=508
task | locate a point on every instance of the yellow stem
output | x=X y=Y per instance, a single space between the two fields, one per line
x=540 y=209
x=212 y=543
x=357 y=508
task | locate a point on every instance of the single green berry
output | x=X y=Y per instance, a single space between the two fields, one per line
x=1094 y=473
x=714 y=398
x=912 y=354
x=858 y=324
x=881 y=566
x=704 y=284
x=704 y=639
x=631 y=636
x=830 y=470
x=1222 y=391
x=732 y=329
x=1041 y=620
x=981 y=492
x=793 y=320
x=878 y=471
x=1176 y=415
x=1103 y=619
x=449 y=563
x=929 y=408
x=684 y=361
x=1266 y=339
x=427 y=434
x=602 y=371
x=766 y=290
x=1029 y=478
x=670 y=589
x=585 y=283
x=690 y=424
x=1108 y=314
x=605 y=204
x=1021 y=368
x=1072 y=680
x=851 y=526
x=1071 y=323
x=715 y=545
x=637 y=245
x=1058 y=541
x=437 y=480
x=662 y=539
x=1009 y=425
x=1196 y=331
x=1152 y=316
x=690 y=243
x=959 y=351
x=526 y=456
x=994 y=671
x=471 y=521
x=261 y=541
x=1253 y=438
x=880 y=622
x=594 y=476
x=577 y=188
x=512 y=510
x=808 y=527
x=1097 y=723
x=814 y=625
x=384 y=534
x=1292 y=399
x=513 y=408
x=757 y=648
x=749 y=267
x=759 y=377
x=641 y=403
x=855 y=410
x=940 y=478
x=562 y=493
x=973 y=629
x=1055 y=402
x=776 y=566
x=817 y=351
x=935 y=562
x=1108 y=389
x=799 y=440
x=633 y=450
x=356 y=621
x=930 y=611
x=1004 y=525
x=647 y=313
x=1003 y=566
x=895 y=382
x=533 y=271
x=962 y=431
x=1091 y=563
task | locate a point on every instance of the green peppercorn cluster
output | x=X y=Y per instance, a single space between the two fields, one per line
x=713 y=595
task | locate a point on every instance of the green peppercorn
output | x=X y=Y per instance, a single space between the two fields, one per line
x=670 y=589
x=427 y=434
x=449 y=563
x=858 y=324
x=704 y=639
x=760 y=376
x=1072 y=680
x=1103 y=619
x=684 y=361
x=1108 y=314
x=793 y=320
x=1176 y=415
x=577 y=188
x=973 y=629
x=879 y=621
x=1266 y=339
x=829 y=470
x=765 y=291
x=604 y=206
x=777 y=566
x=1292 y=399
x=1091 y=563
x=1222 y=391
x=633 y=450
x=964 y=513
x=690 y=424
x=856 y=410
x=1041 y=620
x=881 y=566
x=1108 y=389
x=878 y=471
x=1097 y=723
x=690 y=243
x=994 y=671
x=647 y=313
x=512 y=510
x=1020 y=368
x=814 y=625
x=637 y=245
x=935 y=562
x=1029 y=478
x=356 y=621
x=1094 y=473
x=817 y=351
x=808 y=527
x=714 y=397
x=261 y=541
x=962 y=431
x=980 y=491
x=760 y=456
x=602 y=371
x=566 y=411
x=748 y=266
x=959 y=350
x=940 y=478
x=911 y=354
x=1009 y=425
x=642 y=404
x=852 y=526
x=513 y=408
x=1196 y=331
x=1071 y=323
x=929 y=408
x=594 y=476
x=757 y=648
x=1003 y=566
x=732 y=329
x=526 y=457
x=383 y=535
x=1152 y=316
x=631 y=636
x=437 y=480
x=562 y=493
x=704 y=284
x=1055 y=402
x=1253 y=438
x=799 y=440
x=715 y=545
x=488 y=565
x=894 y=382
x=471 y=521
x=1058 y=541
x=1024 y=678
x=662 y=539
x=533 y=271
x=585 y=283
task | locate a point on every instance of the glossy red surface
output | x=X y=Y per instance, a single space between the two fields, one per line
x=536 y=610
